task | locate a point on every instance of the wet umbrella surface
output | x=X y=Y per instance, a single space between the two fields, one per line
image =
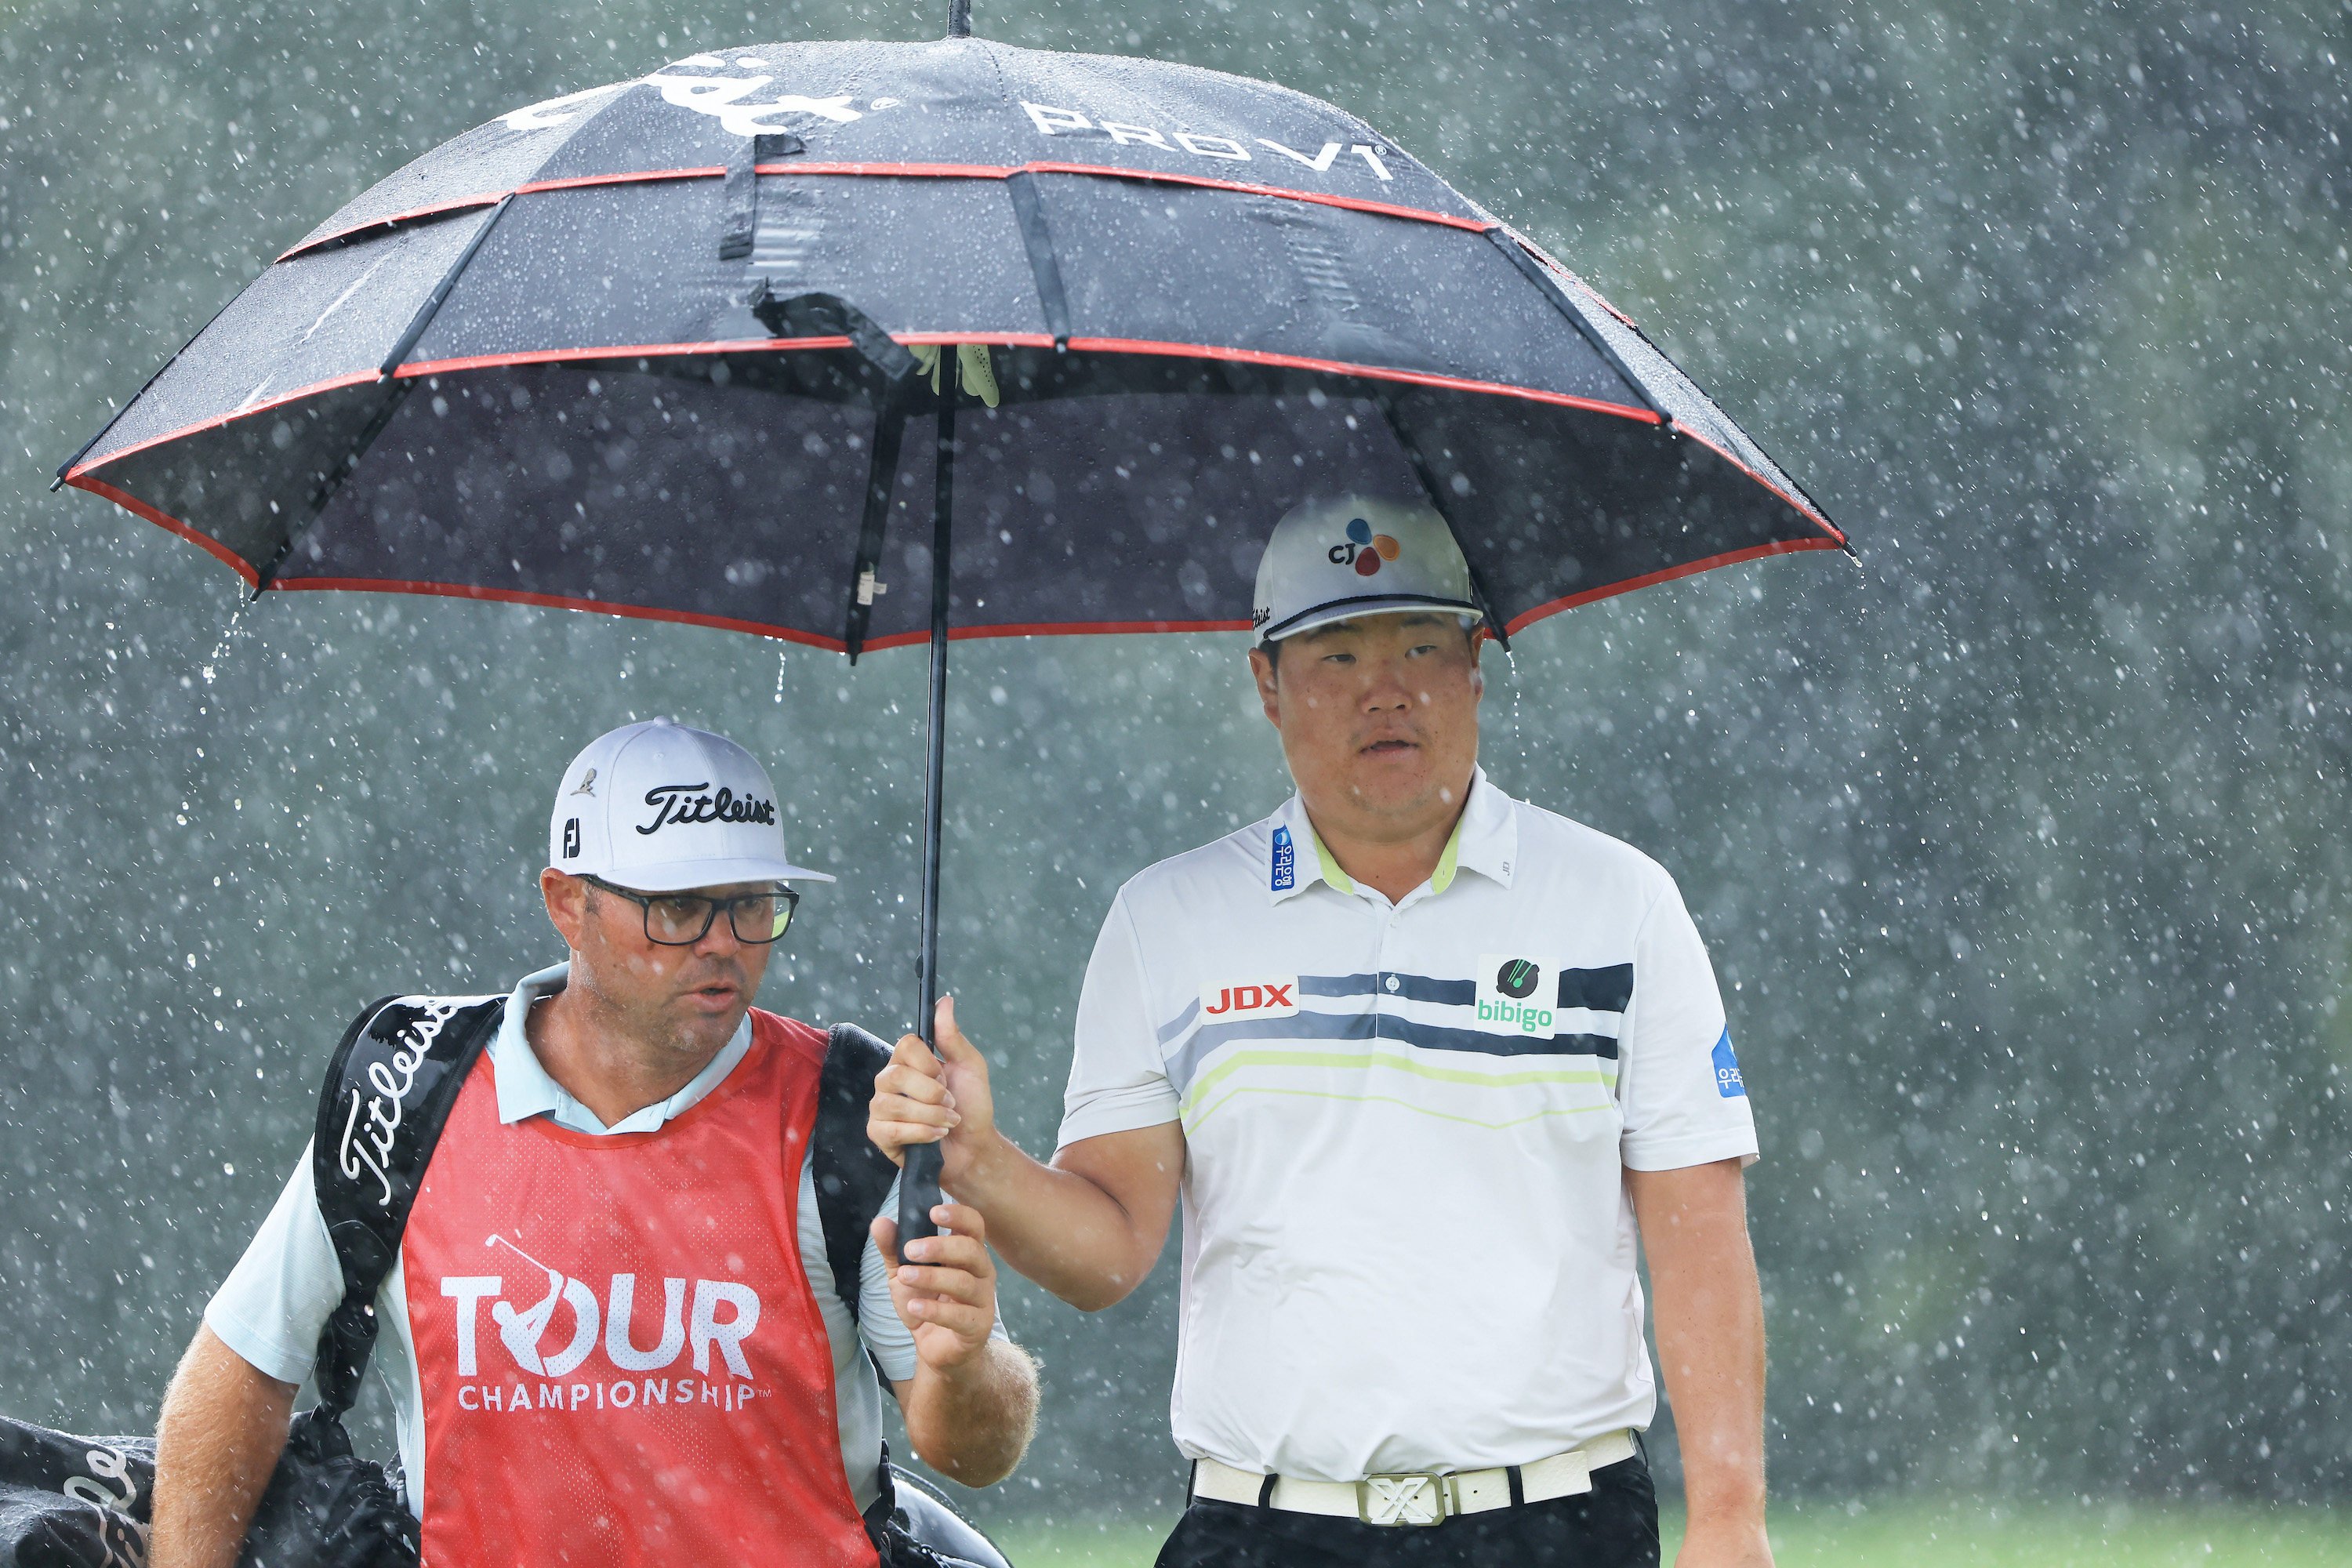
x=690 y=347
x=584 y=354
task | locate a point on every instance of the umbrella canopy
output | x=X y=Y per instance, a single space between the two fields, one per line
x=695 y=347
x=599 y=353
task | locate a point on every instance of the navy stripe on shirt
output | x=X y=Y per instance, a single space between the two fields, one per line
x=1335 y=1026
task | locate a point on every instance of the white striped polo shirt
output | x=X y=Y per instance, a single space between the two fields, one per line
x=1407 y=1244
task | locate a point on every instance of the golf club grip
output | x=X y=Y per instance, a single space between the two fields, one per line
x=918 y=1192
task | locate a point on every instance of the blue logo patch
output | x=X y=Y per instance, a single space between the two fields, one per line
x=1727 y=1082
x=1286 y=862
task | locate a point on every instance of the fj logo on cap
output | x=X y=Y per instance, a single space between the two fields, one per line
x=571 y=838
x=1511 y=996
x=1363 y=548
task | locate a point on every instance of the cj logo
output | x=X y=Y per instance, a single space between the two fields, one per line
x=1363 y=548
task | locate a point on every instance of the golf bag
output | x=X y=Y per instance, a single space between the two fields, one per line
x=84 y=1502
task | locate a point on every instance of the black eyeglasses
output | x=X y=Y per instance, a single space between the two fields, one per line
x=681 y=919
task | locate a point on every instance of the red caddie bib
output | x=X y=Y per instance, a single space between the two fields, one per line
x=620 y=1358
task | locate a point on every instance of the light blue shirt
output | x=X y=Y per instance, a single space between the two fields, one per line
x=276 y=1301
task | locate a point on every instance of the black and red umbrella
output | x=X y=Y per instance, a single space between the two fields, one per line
x=689 y=347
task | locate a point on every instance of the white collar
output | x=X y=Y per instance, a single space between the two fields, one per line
x=525 y=1088
x=1486 y=840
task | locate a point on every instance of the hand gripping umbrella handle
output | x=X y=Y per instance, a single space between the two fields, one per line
x=919 y=1187
x=918 y=1192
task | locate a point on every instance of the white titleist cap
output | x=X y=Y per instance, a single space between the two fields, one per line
x=660 y=808
x=1343 y=556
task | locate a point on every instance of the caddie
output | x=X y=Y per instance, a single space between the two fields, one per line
x=1431 y=1068
x=614 y=1327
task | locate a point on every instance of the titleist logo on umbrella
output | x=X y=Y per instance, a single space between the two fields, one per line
x=687 y=804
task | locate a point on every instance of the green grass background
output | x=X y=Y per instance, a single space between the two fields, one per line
x=1956 y=1534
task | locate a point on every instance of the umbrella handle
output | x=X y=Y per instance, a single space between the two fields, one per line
x=918 y=1192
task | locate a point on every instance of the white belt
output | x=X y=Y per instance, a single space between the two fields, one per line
x=1417 y=1496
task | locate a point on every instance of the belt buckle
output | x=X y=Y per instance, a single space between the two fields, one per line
x=1411 y=1498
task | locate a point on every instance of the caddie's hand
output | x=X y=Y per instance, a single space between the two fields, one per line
x=946 y=1292
x=921 y=1098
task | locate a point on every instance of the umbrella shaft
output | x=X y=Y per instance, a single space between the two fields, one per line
x=920 y=1188
x=935 y=768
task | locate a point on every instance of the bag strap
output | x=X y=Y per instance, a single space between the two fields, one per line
x=388 y=1092
x=853 y=1177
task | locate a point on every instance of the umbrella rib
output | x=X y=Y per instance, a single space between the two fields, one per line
x=433 y=301
x=890 y=431
x=741 y=229
x=116 y=417
x=1044 y=266
x=1436 y=493
x=331 y=483
x=1508 y=243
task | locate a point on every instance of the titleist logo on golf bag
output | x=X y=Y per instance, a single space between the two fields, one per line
x=367 y=1146
x=684 y=804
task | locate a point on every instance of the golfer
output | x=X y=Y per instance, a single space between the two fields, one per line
x=1431 y=1068
x=611 y=1335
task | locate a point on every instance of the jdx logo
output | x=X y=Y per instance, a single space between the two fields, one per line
x=723 y=1314
x=1265 y=999
x=1511 y=999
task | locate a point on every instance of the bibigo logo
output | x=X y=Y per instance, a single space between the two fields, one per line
x=1511 y=999
x=1363 y=548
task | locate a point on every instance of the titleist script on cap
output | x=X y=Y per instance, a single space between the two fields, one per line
x=684 y=804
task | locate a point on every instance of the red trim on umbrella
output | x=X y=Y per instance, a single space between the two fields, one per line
x=137 y=508
x=491 y=198
x=332 y=384
x=1010 y=340
x=894 y=171
x=576 y=182
x=1376 y=373
x=391 y=220
x=639 y=350
x=730 y=623
x=1689 y=568
x=1353 y=204
x=898 y=171
x=1246 y=187
x=726 y=346
x=560 y=602
x=1051 y=629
